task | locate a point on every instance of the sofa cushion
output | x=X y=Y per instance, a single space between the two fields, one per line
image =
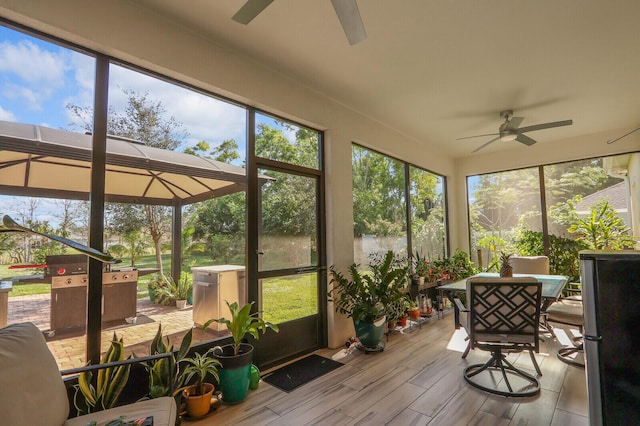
x=31 y=389
x=162 y=409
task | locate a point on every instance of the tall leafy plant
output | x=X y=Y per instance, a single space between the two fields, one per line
x=368 y=295
x=603 y=229
x=563 y=252
x=242 y=323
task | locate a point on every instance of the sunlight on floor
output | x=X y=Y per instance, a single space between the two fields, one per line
x=562 y=337
x=342 y=353
x=458 y=341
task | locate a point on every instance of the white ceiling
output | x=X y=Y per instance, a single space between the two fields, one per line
x=437 y=70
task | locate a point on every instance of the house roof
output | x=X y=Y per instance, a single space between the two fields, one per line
x=616 y=195
x=46 y=162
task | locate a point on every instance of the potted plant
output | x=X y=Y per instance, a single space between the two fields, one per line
x=91 y=396
x=368 y=295
x=155 y=283
x=178 y=292
x=412 y=310
x=462 y=266
x=421 y=267
x=402 y=319
x=236 y=358
x=165 y=378
x=197 y=396
x=392 y=314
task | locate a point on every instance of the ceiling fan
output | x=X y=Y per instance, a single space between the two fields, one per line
x=509 y=130
x=347 y=11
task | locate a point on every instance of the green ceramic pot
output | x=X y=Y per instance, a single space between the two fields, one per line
x=370 y=334
x=235 y=374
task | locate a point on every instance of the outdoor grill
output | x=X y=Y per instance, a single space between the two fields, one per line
x=68 y=277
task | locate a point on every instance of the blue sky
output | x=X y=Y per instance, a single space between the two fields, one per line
x=39 y=79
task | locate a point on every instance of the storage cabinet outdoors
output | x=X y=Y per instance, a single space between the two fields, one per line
x=212 y=286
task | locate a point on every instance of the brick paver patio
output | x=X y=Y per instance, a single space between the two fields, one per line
x=69 y=348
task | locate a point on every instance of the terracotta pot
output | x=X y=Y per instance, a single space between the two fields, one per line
x=391 y=324
x=402 y=322
x=414 y=313
x=197 y=405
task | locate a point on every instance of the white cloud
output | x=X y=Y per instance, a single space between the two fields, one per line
x=204 y=117
x=6 y=115
x=32 y=64
x=31 y=73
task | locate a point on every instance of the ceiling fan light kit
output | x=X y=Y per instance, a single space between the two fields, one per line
x=509 y=130
x=508 y=136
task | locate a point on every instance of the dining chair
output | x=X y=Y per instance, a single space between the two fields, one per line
x=538 y=265
x=569 y=311
x=502 y=317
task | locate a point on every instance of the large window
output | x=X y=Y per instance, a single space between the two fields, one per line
x=428 y=218
x=175 y=182
x=501 y=204
x=174 y=179
x=44 y=180
x=380 y=188
x=555 y=210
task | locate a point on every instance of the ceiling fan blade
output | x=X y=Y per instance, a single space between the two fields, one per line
x=349 y=15
x=525 y=139
x=514 y=123
x=477 y=136
x=545 y=126
x=487 y=143
x=250 y=10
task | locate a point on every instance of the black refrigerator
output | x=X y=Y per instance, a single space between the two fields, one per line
x=611 y=300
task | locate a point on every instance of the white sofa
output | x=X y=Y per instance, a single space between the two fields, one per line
x=32 y=391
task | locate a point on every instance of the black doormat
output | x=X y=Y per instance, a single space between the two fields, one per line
x=302 y=371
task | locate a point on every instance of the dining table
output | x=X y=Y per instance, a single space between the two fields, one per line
x=552 y=286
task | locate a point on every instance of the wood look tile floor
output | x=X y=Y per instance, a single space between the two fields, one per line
x=416 y=380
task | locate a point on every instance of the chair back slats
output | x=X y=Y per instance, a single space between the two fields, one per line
x=505 y=310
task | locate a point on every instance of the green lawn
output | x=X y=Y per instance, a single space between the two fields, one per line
x=288 y=298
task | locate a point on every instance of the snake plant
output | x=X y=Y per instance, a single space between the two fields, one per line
x=91 y=396
x=164 y=374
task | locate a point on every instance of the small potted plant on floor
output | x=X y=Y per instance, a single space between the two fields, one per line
x=236 y=358
x=176 y=291
x=197 y=396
